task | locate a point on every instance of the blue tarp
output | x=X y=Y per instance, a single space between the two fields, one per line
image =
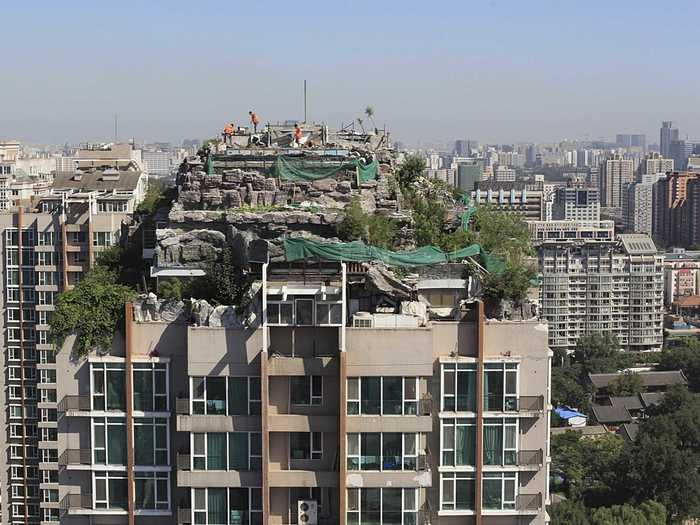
x=567 y=412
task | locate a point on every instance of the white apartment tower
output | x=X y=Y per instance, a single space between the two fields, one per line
x=604 y=287
x=617 y=172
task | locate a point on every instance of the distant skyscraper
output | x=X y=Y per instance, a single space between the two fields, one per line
x=616 y=174
x=626 y=140
x=680 y=150
x=465 y=148
x=668 y=134
x=655 y=163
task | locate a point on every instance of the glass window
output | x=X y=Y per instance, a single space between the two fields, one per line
x=375 y=506
x=152 y=490
x=238 y=395
x=500 y=387
x=499 y=489
x=392 y=395
x=217 y=507
x=304 y=309
x=108 y=386
x=306 y=390
x=238 y=450
x=151 y=441
x=109 y=441
x=216 y=451
x=382 y=395
x=457 y=490
x=500 y=441
x=305 y=445
x=459 y=387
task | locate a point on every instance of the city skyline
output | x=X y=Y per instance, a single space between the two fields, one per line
x=494 y=71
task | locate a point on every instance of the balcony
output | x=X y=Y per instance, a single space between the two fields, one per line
x=529 y=458
x=77 y=406
x=76 y=503
x=525 y=405
x=528 y=502
x=182 y=406
x=76 y=459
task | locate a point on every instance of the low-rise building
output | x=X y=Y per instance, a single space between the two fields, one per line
x=571 y=230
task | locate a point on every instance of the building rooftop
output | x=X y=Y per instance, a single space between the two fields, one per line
x=628 y=402
x=638 y=244
x=649 y=379
x=688 y=301
x=629 y=431
x=651 y=398
x=108 y=180
x=611 y=414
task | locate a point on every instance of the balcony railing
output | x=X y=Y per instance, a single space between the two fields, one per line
x=76 y=457
x=183 y=461
x=182 y=406
x=76 y=501
x=184 y=516
x=530 y=457
x=528 y=501
x=81 y=403
x=499 y=403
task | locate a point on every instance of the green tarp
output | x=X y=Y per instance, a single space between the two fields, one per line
x=286 y=168
x=357 y=251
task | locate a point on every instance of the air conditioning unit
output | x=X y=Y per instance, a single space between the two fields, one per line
x=362 y=320
x=307 y=512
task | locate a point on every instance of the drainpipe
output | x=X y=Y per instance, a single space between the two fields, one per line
x=265 y=400
x=479 y=413
x=129 y=315
x=342 y=432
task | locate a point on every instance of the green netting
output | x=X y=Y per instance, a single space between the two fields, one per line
x=357 y=251
x=287 y=168
x=469 y=210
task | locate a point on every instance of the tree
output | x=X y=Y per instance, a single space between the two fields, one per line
x=93 y=310
x=376 y=230
x=600 y=353
x=569 y=389
x=412 y=167
x=685 y=357
x=626 y=384
x=170 y=289
x=156 y=196
x=648 y=513
x=369 y=111
x=568 y=513
x=361 y=123
x=224 y=282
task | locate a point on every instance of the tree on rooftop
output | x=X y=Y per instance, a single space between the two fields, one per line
x=411 y=168
x=93 y=310
x=374 y=229
x=361 y=123
x=369 y=111
x=628 y=383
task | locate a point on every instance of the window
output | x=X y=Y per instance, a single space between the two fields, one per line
x=389 y=396
x=48 y=415
x=101 y=238
x=151 y=387
x=109 y=441
x=47 y=357
x=110 y=490
x=459 y=387
x=51 y=515
x=47 y=376
x=500 y=387
x=375 y=506
x=304 y=312
x=458 y=442
x=329 y=314
x=209 y=451
x=151 y=441
x=77 y=237
x=499 y=490
x=306 y=390
x=46 y=238
x=220 y=506
x=280 y=313
x=49 y=434
x=500 y=441
x=48 y=395
x=49 y=455
x=152 y=490
x=385 y=451
x=108 y=386
x=237 y=395
x=305 y=445
x=457 y=490
x=49 y=476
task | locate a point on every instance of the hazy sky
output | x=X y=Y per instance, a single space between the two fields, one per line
x=499 y=71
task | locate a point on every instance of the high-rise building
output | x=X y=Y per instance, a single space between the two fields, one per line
x=465 y=148
x=617 y=172
x=638 y=204
x=531 y=201
x=157 y=163
x=47 y=250
x=625 y=140
x=681 y=274
x=655 y=163
x=504 y=174
x=677 y=210
x=679 y=151
x=576 y=203
x=312 y=405
x=603 y=287
x=469 y=171
x=667 y=135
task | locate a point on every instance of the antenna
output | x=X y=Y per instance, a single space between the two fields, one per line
x=115 y=128
x=304 y=101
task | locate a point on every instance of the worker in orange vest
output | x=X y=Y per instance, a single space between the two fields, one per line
x=228 y=133
x=255 y=120
x=297 y=134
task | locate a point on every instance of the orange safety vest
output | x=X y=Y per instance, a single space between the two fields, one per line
x=254 y=118
x=297 y=134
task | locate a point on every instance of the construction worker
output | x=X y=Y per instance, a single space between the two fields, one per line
x=297 y=134
x=228 y=133
x=255 y=120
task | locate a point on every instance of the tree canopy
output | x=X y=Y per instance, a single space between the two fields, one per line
x=93 y=310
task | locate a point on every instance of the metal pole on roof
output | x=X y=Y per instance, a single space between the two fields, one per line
x=304 y=101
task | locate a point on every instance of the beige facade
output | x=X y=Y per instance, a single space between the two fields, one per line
x=50 y=255
x=444 y=423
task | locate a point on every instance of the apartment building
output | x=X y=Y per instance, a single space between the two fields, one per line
x=45 y=252
x=681 y=274
x=655 y=163
x=325 y=403
x=603 y=287
x=616 y=173
x=577 y=203
x=545 y=231
x=531 y=201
